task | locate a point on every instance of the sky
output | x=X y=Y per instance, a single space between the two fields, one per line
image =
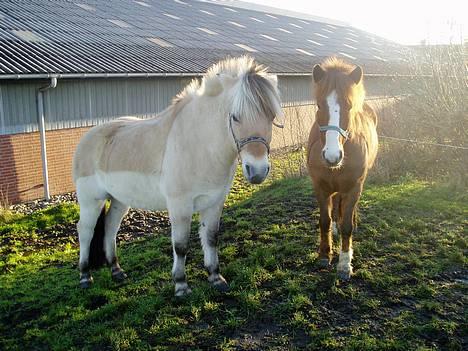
x=404 y=21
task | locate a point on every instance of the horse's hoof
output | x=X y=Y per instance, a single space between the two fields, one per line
x=183 y=292
x=221 y=285
x=182 y=289
x=119 y=276
x=344 y=275
x=324 y=263
x=86 y=283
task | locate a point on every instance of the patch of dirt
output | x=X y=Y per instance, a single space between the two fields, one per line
x=136 y=224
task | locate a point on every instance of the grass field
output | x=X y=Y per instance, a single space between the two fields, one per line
x=409 y=291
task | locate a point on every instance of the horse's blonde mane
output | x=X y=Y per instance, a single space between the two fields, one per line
x=255 y=93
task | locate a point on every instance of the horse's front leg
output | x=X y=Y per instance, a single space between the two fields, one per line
x=326 y=242
x=347 y=227
x=180 y=217
x=209 y=228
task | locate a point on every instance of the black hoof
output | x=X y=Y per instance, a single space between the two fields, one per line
x=323 y=263
x=221 y=286
x=119 y=277
x=85 y=284
x=182 y=292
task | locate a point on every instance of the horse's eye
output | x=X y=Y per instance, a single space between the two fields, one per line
x=235 y=118
x=318 y=106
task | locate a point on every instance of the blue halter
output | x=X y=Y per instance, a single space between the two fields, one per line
x=343 y=132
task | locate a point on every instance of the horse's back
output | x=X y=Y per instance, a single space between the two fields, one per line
x=124 y=144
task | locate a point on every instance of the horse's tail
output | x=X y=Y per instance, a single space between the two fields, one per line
x=97 y=256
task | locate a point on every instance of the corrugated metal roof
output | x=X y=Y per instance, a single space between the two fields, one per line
x=99 y=36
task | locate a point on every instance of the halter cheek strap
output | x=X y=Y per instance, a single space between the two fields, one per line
x=242 y=142
x=344 y=133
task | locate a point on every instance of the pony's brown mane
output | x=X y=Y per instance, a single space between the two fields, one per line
x=337 y=78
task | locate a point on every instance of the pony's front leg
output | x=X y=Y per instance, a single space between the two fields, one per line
x=209 y=227
x=180 y=218
x=347 y=227
x=326 y=241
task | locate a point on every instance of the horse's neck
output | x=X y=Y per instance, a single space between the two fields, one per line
x=206 y=124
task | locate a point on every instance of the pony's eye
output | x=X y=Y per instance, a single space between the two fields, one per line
x=318 y=106
x=235 y=118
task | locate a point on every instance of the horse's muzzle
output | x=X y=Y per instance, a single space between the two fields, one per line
x=256 y=174
x=332 y=160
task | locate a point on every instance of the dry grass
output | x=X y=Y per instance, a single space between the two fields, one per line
x=431 y=109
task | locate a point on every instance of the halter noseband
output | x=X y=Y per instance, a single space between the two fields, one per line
x=242 y=142
x=344 y=133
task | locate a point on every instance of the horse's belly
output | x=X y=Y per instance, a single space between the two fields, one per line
x=134 y=189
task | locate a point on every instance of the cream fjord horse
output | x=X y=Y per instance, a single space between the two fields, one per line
x=183 y=160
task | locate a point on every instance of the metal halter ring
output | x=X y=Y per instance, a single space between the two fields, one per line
x=344 y=133
x=241 y=143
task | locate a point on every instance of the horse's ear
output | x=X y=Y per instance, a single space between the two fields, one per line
x=226 y=80
x=318 y=73
x=212 y=86
x=356 y=75
x=273 y=79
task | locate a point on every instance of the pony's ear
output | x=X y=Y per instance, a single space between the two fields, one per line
x=212 y=86
x=279 y=119
x=318 y=73
x=226 y=80
x=356 y=75
x=273 y=79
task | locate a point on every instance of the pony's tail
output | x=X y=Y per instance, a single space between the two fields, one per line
x=97 y=256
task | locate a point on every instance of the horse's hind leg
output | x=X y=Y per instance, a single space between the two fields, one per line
x=326 y=242
x=209 y=226
x=114 y=217
x=89 y=214
x=347 y=227
x=180 y=216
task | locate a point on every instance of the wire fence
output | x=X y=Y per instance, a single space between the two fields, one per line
x=393 y=138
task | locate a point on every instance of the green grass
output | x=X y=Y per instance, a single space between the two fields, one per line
x=411 y=243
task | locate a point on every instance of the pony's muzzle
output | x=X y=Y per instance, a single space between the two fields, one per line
x=256 y=174
x=332 y=159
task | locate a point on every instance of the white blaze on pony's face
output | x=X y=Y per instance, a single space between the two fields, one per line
x=333 y=150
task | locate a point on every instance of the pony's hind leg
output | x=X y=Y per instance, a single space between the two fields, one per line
x=180 y=218
x=90 y=211
x=326 y=242
x=209 y=226
x=347 y=227
x=114 y=217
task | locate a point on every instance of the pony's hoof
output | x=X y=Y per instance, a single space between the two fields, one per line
x=182 y=290
x=344 y=275
x=324 y=263
x=86 y=283
x=221 y=285
x=119 y=276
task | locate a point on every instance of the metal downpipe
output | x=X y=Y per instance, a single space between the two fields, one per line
x=42 y=133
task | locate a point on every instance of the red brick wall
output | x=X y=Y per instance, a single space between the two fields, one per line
x=21 y=166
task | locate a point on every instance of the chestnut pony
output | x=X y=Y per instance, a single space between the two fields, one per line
x=342 y=147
